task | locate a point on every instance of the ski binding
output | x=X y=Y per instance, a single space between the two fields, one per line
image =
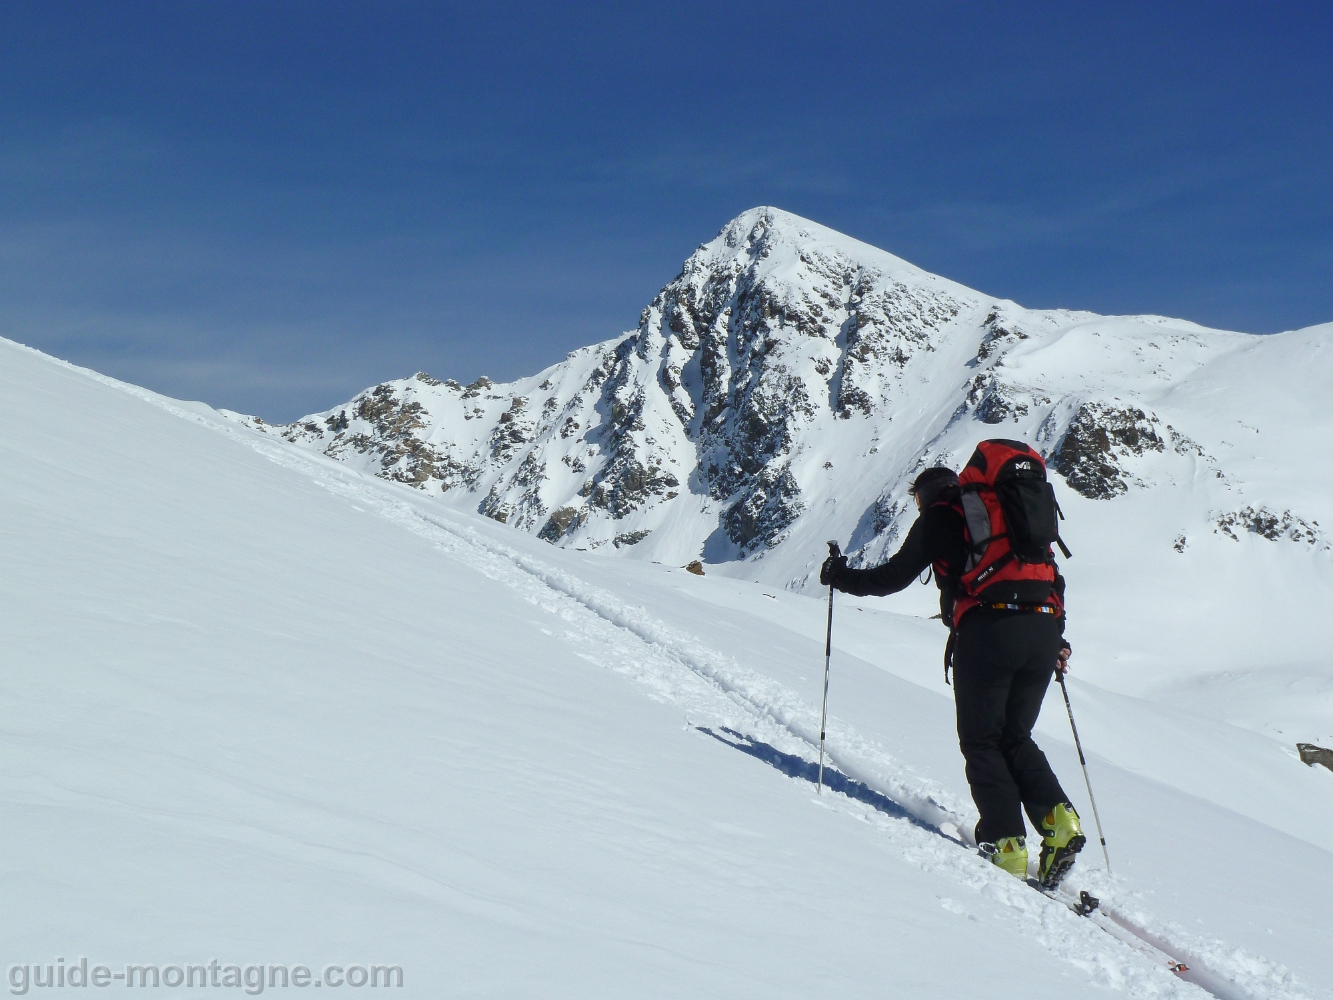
x=1083 y=906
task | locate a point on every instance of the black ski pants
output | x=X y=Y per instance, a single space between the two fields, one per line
x=1003 y=663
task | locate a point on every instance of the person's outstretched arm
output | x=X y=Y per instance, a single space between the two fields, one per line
x=936 y=534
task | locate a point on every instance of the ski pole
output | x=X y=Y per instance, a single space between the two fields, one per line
x=834 y=552
x=1086 y=780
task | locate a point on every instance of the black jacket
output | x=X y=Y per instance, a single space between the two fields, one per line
x=935 y=536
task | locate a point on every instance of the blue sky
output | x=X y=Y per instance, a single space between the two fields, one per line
x=271 y=205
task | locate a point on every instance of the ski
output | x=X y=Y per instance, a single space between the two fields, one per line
x=1123 y=930
x=1086 y=904
x=1120 y=929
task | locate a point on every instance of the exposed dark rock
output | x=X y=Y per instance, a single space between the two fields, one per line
x=630 y=538
x=560 y=523
x=764 y=511
x=1097 y=440
x=884 y=513
x=735 y=326
x=1312 y=755
x=494 y=506
x=1002 y=332
x=696 y=567
x=393 y=424
x=624 y=485
x=511 y=431
x=1266 y=524
x=994 y=402
x=853 y=399
x=477 y=388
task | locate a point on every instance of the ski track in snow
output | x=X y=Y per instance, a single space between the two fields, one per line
x=1124 y=950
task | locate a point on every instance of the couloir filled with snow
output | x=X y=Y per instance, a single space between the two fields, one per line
x=266 y=708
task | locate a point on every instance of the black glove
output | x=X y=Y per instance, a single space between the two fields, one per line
x=833 y=568
x=1062 y=658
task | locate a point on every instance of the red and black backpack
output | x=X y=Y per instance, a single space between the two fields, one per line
x=1011 y=519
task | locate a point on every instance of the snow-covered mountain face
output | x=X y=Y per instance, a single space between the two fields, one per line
x=787 y=386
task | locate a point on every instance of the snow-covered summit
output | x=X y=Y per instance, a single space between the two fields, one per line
x=783 y=242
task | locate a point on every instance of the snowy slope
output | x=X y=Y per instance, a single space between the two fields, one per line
x=267 y=708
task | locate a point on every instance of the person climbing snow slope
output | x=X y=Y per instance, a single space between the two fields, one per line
x=987 y=536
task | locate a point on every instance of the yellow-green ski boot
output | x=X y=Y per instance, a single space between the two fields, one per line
x=1009 y=853
x=1062 y=841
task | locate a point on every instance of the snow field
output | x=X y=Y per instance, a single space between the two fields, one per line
x=251 y=711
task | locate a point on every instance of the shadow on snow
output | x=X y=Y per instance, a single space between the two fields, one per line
x=834 y=780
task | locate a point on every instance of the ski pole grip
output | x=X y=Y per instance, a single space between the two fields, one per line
x=833 y=549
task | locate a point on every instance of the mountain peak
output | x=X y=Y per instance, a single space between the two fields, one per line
x=754 y=223
x=786 y=386
x=785 y=241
